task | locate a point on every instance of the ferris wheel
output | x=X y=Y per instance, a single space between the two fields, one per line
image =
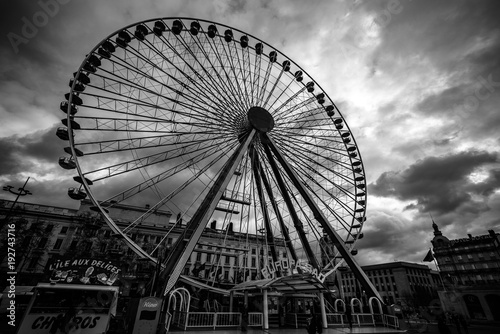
x=213 y=123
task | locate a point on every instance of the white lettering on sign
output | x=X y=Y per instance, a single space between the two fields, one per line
x=150 y=304
x=272 y=267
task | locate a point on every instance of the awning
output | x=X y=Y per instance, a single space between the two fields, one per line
x=200 y=285
x=297 y=283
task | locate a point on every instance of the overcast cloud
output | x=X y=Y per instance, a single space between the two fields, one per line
x=418 y=82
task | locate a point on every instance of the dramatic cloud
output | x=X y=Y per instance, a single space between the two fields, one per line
x=442 y=184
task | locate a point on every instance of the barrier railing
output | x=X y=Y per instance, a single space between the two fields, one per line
x=335 y=319
x=362 y=319
x=233 y=319
x=255 y=319
x=391 y=321
x=227 y=319
x=214 y=319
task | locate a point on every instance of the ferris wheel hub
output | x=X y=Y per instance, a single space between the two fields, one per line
x=260 y=119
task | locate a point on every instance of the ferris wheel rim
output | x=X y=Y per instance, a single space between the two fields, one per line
x=84 y=182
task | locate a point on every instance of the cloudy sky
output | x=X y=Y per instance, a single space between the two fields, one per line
x=418 y=83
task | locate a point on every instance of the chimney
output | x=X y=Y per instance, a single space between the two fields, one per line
x=470 y=236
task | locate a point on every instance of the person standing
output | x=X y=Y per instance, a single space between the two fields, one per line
x=348 y=315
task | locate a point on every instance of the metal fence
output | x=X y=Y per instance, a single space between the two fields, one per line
x=214 y=320
x=362 y=319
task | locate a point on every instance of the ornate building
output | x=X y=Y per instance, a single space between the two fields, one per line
x=405 y=283
x=470 y=268
x=46 y=234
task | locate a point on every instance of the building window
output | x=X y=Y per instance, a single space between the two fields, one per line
x=103 y=248
x=42 y=243
x=73 y=245
x=198 y=256
x=49 y=228
x=226 y=260
x=254 y=251
x=64 y=230
x=58 y=244
x=209 y=257
x=253 y=262
x=33 y=263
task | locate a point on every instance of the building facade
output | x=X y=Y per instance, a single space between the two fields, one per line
x=470 y=268
x=46 y=234
x=404 y=283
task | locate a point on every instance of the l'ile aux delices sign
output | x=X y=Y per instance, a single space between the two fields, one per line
x=83 y=271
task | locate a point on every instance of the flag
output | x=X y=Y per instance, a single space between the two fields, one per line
x=429 y=257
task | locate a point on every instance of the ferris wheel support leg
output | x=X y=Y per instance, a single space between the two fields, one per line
x=257 y=171
x=182 y=249
x=318 y=215
x=282 y=225
x=296 y=221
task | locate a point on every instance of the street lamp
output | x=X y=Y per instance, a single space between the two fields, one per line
x=20 y=192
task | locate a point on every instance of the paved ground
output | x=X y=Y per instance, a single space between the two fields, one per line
x=485 y=328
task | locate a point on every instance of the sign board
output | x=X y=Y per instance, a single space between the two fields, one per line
x=148 y=315
x=69 y=308
x=83 y=271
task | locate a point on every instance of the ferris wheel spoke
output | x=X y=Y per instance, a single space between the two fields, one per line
x=215 y=82
x=127 y=104
x=242 y=61
x=313 y=192
x=198 y=103
x=143 y=143
x=228 y=82
x=307 y=148
x=314 y=116
x=264 y=83
x=222 y=104
x=204 y=99
x=132 y=191
x=175 y=192
x=275 y=84
x=256 y=78
x=166 y=128
x=285 y=89
x=201 y=88
x=236 y=82
x=125 y=167
x=292 y=101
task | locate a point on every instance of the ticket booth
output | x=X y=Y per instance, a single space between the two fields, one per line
x=148 y=315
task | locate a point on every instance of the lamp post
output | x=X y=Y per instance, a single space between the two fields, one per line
x=20 y=192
